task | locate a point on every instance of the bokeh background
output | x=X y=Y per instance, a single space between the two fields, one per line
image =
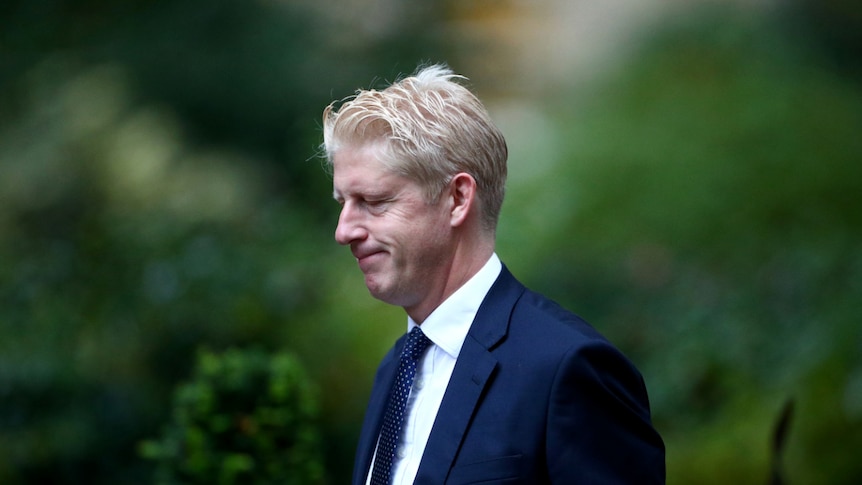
x=684 y=174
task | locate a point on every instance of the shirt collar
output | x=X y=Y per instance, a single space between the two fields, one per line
x=448 y=324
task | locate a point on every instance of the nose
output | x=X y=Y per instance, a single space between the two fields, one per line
x=349 y=226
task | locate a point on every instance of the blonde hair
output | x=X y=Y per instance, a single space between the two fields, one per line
x=432 y=128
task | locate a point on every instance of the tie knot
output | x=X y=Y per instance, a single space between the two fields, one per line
x=416 y=344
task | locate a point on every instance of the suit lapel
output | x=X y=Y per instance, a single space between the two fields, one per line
x=374 y=413
x=462 y=397
x=473 y=371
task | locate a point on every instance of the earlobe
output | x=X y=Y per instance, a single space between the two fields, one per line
x=463 y=193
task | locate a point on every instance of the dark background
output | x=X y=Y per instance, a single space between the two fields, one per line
x=161 y=191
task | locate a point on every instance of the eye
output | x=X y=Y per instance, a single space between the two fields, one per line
x=376 y=206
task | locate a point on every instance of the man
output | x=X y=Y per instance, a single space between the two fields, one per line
x=506 y=386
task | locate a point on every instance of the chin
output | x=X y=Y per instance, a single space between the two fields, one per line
x=386 y=295
x=377 y=290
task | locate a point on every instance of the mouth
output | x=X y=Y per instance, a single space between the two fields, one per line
x=367 y=259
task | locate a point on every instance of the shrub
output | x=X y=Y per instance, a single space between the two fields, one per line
x=246 y=416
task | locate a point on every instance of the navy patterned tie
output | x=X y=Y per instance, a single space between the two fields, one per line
x=416 y=344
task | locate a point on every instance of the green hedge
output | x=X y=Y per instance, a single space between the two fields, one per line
x=245 y=417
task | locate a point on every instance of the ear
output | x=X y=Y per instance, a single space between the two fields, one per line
x=463 y=196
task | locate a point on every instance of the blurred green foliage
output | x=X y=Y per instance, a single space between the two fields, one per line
x=244 y=417
x=160 y=192
x=706 y=217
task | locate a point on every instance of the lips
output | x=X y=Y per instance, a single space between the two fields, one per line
x=367 y=258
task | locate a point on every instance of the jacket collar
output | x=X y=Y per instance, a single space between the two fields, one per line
x=473 y=370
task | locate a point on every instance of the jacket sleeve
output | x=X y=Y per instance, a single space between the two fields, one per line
x=599 y=428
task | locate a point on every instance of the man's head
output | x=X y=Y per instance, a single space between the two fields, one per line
x=419 y=171
x=430 y=128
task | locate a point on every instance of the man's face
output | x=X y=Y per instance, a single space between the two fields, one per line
x=402 y=243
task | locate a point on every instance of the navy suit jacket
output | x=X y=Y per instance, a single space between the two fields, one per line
x=537 y=396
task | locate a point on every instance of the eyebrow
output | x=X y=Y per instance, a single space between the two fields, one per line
x=372 y=193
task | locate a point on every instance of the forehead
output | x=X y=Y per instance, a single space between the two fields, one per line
x=359 y=168
x=352 y=162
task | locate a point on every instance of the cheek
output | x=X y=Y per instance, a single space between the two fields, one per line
x=409 y=241
x=431 y=239
x=420 y=234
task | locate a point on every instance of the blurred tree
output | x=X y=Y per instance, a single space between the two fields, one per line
x=705 y=217
x=833 y=26
x=159 y=191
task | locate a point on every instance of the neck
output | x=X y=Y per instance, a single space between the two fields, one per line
x=467 y=260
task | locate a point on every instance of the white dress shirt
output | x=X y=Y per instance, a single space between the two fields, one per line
x=447 y=327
